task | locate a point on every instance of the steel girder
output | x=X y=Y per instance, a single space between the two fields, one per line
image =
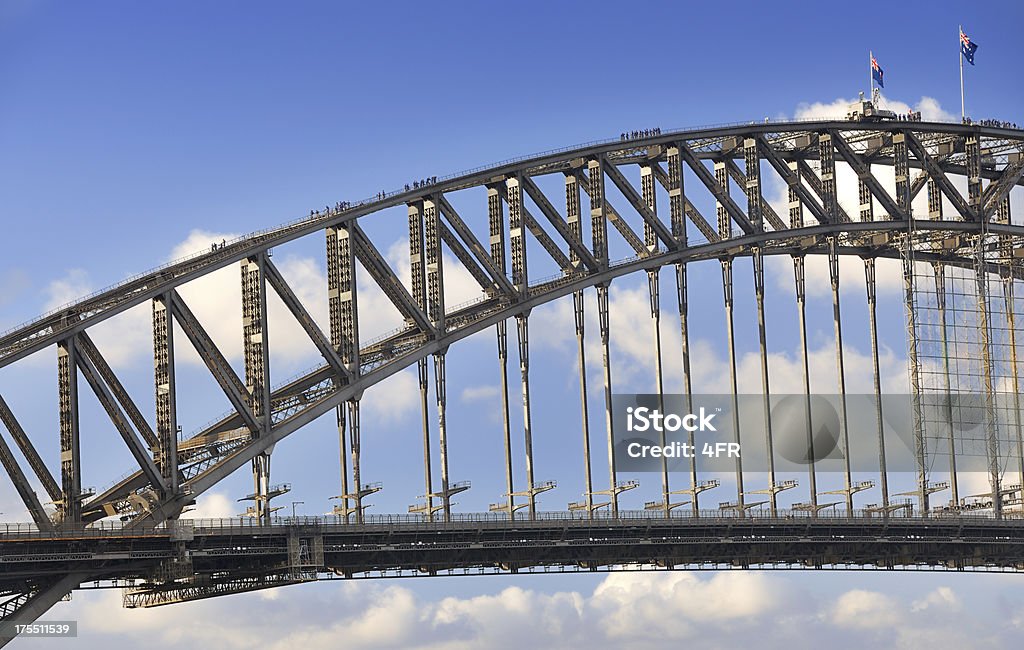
x=317 y=390
x=706 y=144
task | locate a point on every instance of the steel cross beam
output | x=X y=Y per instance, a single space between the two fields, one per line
x=520 y=215
x=546 y=242
x=37 y=603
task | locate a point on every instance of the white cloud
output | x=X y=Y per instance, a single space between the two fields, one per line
x=74 y=285
x=929 y=107
x=389 y=402
x=942 y=599
x=121 y=339
x=860 y=608
x=641 y=606
x=213 y=505
x=626 y=609
x=481 y=393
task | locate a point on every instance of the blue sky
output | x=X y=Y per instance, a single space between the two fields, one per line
x=131 y=133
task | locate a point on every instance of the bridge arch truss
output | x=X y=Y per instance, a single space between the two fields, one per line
x=602 y=208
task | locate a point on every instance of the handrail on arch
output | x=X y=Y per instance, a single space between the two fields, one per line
x=230 y=246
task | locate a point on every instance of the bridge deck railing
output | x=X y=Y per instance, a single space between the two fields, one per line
x=576 y=519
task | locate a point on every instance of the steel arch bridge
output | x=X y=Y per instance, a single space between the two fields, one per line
x=159 y=558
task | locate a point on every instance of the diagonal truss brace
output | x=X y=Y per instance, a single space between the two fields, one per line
x=25 y=491
x=863 y=171
x=691 y=211
x=464 y=257
x=766 y=208
x=546 y=242
x=814 y=181
x=222 y=372
x=298 y=310
x=86 y=345
x=575 y=244
x=792 y=180
x=374 y=263
x=717 y=190
x=935 y=172
x=29 y=451
x=543 y=238
x=999 y=189
x=109 y=403
x=30 y=606
x=638 y=204
x=475 y=247
x=612 y=215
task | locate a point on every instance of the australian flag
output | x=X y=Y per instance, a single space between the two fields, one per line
x=876 y=72
x=967 y=47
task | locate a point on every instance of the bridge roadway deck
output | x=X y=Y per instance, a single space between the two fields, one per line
x=401 y=545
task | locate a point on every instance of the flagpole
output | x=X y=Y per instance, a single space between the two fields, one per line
x=871 y=76
x=960 y=46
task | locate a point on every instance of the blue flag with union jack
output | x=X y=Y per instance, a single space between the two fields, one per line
x=967 y=47
x=876 y=72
